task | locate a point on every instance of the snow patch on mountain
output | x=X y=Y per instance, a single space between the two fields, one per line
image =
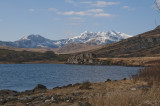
x=37 y=41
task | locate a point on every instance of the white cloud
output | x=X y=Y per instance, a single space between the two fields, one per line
x=95 y=10
x=89 y=12
x=31 y=10
x=81 y=13
x=71 y=2
x=98 y=3
x=104 y=3
x=126 y=7
x=52 y=9
x=86 y=2
x=103 y=15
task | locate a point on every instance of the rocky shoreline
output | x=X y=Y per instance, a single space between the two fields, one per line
x=70 y=95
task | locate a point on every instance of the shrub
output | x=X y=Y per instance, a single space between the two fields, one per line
x=107 y=62
x=85 y=85
x=149 y=74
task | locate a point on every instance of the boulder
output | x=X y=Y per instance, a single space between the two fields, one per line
x=40 y=87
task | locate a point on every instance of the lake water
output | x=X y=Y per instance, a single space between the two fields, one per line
x=22 y=77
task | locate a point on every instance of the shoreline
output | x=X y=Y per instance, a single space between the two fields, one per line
x=135 y=91
x=69 y=95
x=130 y=61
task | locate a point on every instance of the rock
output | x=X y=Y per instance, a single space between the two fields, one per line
x=48 y=97
x=3 y=101
x=30 y=104
x=77 y=84
x=28 y=92
x=133 y=89
x=77 y=93
x=86 y=58
x=39 y=98
x=40 y=87
x=108 y=80
x=56 y=99
x=124 y=78
x=47 y=101
x=69 y=99
x=12 y=98
x=84 y=104
x=8 y=93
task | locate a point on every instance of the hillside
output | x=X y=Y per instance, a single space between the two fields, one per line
x=12 y=56
x=145 y=44
x=76 y=48
x=140 y=50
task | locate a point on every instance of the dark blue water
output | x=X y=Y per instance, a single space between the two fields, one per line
x=22 y=77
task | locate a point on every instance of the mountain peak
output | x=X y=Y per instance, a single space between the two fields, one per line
x=100 y=38
x=32 y=37
x=86 y=31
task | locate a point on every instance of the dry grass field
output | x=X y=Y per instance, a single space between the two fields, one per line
x=133 y=61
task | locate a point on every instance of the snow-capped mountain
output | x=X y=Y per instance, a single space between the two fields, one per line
x=100 y=38
x=37 y=41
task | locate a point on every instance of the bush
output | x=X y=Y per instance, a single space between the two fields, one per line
x=85 y=85
x=150 y=74
x=107 y=62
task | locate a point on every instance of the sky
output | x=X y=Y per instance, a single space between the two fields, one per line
x=60 y=19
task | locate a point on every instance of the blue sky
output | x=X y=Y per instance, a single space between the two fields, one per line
x=57 y=19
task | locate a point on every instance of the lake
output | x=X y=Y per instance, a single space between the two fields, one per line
x=21 y=77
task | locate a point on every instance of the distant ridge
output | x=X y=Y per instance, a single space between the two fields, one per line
x=37 y=41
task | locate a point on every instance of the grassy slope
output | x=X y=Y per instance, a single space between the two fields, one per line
x=11 y=56
x=146 y=44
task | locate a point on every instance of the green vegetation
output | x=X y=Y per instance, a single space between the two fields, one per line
x=107 y=62
x=27 y=56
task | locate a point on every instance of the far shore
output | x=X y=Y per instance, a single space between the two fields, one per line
x=130 y=61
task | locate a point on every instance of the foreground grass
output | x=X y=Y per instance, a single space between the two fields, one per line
x=147 y=95
x=136 y=98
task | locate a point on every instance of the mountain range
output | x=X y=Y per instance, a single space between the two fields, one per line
x=145 y=44
x=89 y=38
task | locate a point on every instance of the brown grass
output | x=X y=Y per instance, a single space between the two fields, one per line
x=133 y=61
x=146 y=96
x=135 y=98
x=150 y=74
